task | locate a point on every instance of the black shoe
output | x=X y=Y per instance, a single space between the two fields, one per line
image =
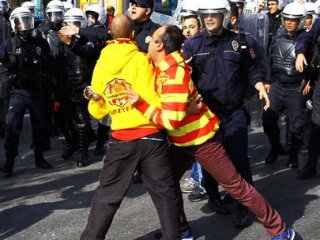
x=8 y=172
x=137 y=178
x=83 y=160
x=199 y=194
x=272 y=157
x=217 y=206
x=242 y=217
x=42 y=163
x=99 y=151
x=68 y=152
x=293 y=162
x=228 y=199
x=307 y=171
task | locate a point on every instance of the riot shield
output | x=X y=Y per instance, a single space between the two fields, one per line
x=256 y=26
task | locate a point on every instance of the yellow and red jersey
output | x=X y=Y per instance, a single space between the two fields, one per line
x=176 y=90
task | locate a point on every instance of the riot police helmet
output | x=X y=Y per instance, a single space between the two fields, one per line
x=189 y=8
x=22 y=21
x=4 y=7
x=74 y=16
x=67 y=5
x=30 y=6
x=294 y=11
x=94 y=14
x=209 y=8
x=55 y=12
x=312 y=9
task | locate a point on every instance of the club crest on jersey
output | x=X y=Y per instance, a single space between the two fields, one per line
x=235 y=45
x=116 y=90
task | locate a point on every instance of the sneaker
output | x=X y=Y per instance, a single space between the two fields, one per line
x=199 y=194
x=289 y=234
x=185 y=235
x=189 y=185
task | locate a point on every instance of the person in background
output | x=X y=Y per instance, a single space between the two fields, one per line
x=110 y=16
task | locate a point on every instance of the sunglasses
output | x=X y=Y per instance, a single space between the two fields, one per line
x=138 y=4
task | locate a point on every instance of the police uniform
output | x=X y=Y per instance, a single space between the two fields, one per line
x=28 y=71
x=143 y=32
x=222 y=72
x=305 y=44
x=284 y=94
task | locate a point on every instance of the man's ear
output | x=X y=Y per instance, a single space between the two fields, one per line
x=159 y=46
x=149 y=11
x=132 y=35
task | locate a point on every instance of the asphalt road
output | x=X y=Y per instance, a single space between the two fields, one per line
x=54 y=204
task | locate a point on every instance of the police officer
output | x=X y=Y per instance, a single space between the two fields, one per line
x=308 y=44
x=221 y=72
x=27 y=59
x=72 y=104
x=141 y=11
x=285 y=83
x=5 y=31
x=274 y=17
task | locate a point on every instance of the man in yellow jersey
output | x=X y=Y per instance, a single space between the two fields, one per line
x=196 y=136
x=135 y=141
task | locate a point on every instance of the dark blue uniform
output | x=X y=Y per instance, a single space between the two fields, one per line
x=142 y=32
x=28 y=70
x=284 y=95
x=222 y=72
x=305 y=44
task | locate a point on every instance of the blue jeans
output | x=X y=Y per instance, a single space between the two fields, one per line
x=196 y=172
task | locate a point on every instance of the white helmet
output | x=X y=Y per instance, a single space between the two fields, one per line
x=214 y=6
x=55 y=11
x=75 y=16
x=21 y=19
x=189 y=8
x=312 y=9
x=67 y=5
x=30 y=6
x=95 y=8
x=4 y=7
x=295 y=11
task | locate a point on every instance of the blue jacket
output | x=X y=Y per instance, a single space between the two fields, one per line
x=308 y=38
x=221 y=71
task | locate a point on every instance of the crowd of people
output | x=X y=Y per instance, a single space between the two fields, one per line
x=172 y=98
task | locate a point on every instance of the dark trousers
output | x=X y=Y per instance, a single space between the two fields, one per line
x=20 y=100
x=213 y=158
x=116 y=175
x=235 y=141
x=289 y=100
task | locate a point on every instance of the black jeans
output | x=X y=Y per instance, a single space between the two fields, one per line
x=122 y=159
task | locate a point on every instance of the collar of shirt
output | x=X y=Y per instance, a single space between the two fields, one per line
x=170 y=60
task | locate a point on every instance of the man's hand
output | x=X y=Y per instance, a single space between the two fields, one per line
x=267 y=88
x=69 y=30
x=306 y=89
x=66 y=39
x=301 y=61
x=195 y=105
x=89 y=94
x=263 y=95
x=132 y=97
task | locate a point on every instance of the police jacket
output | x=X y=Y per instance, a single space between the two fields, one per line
x=77 y=75
x=221 y=70
x=282 y=59
x=27 y=61
x=97 y=33
x=143 y=32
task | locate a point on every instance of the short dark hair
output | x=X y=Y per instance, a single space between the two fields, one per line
x=234 y=10
x=172 y=39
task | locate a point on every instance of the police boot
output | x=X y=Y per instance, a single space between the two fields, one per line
x=7 y=167
x=40 y=162
x=310 y=169
x=83 y=159
x=293 y=161
x=242 y=217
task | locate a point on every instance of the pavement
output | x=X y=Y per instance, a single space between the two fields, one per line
x=54 y=204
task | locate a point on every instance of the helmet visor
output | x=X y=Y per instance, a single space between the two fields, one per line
x=22 y=23
x=55 y=17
